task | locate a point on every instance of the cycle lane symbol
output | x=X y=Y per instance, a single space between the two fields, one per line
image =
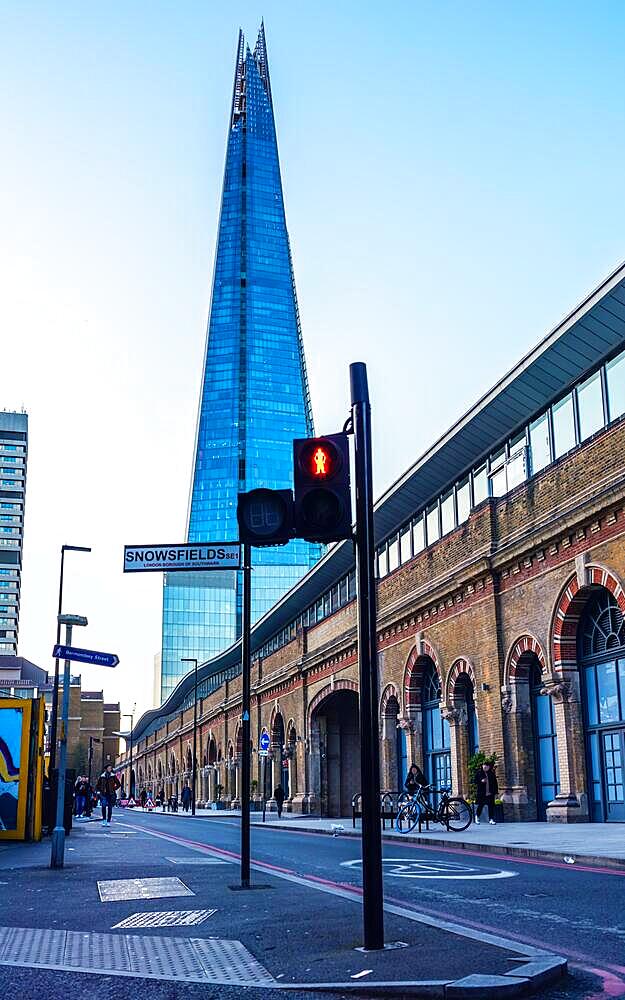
x=449 y=870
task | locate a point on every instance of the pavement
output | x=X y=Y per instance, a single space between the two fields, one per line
x=586 y=843
x=190 y=931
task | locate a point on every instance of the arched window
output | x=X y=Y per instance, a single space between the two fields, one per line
x=436 y=740
x=601 y=652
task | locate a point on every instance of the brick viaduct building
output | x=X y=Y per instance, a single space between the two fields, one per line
x=501 y=595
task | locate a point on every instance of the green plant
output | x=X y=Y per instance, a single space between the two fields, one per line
x=476 y=760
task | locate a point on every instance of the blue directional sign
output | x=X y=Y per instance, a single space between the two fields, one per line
x=264 y=742
x=85 y=656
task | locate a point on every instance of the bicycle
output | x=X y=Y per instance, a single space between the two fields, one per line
x=453 y=812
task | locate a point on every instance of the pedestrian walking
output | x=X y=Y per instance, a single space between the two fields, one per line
x=107 y=787
x=487 y=788
x=143 y=797
x=279 y=797
x=187 y=795
x=80 y=796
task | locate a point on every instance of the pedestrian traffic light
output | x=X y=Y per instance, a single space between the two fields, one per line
x=323 y=506
x=265 y=517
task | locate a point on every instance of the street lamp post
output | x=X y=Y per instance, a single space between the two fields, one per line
x=55 y=691
x=193 y=660
x=57 y=856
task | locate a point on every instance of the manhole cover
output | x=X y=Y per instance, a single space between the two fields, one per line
x=166 y=918
x=142 y=888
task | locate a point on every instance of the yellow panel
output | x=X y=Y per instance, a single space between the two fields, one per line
x=12 y=771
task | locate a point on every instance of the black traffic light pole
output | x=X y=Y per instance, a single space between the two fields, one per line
x=246 y=665
x=373 y=892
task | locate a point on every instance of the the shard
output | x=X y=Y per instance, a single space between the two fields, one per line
x=254 y=396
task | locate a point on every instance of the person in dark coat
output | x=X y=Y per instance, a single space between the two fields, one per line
x=414 y=780
x=187 y=795
x=487 y=788
x=279 y=797
x=107 y=786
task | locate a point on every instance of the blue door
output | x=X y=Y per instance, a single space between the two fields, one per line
x=601 y=649
x=613 y=764
x=545 y=747
x=402 y=758
x=436 y=737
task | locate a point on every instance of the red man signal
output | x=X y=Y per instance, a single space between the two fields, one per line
x=323 y=510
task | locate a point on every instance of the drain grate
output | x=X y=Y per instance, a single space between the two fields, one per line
x=210 y=960
x=230 y=961
x=166 y=918
x=142 y=888
x=199 y=861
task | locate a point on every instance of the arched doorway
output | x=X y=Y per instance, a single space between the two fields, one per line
x=601 y=658
x=280 y=763
x=545 y=739
x=529 y=732
x=291 y=760
x=335 y=752
x=460 y=714
x=436 y=736
x=394 y=762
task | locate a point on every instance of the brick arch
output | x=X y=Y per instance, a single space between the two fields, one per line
x=325 y=692
x=276 y=710
x=414 y=670
x=290 y=728
x=569 y=608
x=274 y=733
x=390 y=691
x=516 y=660
x=460 y=666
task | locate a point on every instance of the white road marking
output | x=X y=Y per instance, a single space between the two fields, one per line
x=448 y=870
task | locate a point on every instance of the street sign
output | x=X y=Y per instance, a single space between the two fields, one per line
x=85 y=656
x=192 y=556
x=264 y=742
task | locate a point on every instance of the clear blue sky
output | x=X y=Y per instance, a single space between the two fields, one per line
x=454 y=184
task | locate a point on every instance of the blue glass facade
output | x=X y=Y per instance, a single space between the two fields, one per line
x=255 y=396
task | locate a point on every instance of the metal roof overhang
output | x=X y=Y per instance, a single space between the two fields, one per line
x=581 y=342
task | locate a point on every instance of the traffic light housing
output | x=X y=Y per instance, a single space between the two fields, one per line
x=323 y=505
x=265 y=517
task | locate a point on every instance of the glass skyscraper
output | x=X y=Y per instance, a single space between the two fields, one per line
x=255 y=396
